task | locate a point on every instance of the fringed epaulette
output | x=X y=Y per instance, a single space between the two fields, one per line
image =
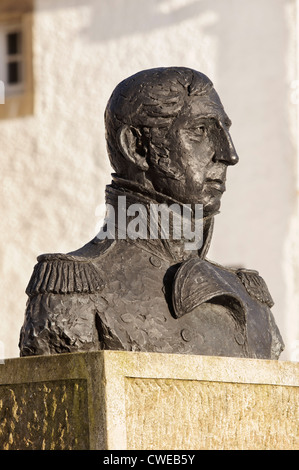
x=64 y=274
x=255 y=286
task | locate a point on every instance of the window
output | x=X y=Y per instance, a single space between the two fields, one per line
x=16 y=58
x=11 y=52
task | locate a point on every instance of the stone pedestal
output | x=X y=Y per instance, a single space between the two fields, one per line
x=128 y=400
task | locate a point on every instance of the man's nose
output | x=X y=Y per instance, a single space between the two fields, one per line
x=226 y=151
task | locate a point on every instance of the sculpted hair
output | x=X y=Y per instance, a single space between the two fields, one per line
x=148 y=102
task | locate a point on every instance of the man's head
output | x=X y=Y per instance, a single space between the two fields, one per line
x=166 y=129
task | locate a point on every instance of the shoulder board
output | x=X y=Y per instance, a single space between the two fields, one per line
x=255 y=286
x=198 y=281
x=64 y=274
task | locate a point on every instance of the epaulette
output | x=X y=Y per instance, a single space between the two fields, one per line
x=64 y=274
x=255 y=286
x=198 y=281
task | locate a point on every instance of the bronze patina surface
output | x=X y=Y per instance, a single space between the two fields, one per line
x=168 y=142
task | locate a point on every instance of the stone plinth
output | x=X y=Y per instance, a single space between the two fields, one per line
x=129 y=400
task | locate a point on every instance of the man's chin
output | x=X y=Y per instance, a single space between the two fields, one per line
x=211 y=207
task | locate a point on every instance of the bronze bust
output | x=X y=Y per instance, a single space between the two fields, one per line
x=169 y=144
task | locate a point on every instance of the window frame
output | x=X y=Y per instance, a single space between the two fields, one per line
x=5 y=30
x=19 y=98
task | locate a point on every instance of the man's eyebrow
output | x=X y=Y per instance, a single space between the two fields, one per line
x=199 y=119
x=226 y=121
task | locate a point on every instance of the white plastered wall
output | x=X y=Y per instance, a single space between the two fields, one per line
x=54 y=164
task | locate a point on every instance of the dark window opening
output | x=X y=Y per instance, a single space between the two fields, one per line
x=14 y=73
x=13 y=43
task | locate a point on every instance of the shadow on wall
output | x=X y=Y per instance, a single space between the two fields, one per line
x=234 y=23
x=133 y=15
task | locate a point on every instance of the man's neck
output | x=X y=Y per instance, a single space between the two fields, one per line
x=145 y=204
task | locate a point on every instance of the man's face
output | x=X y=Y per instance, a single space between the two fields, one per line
x=200 y=150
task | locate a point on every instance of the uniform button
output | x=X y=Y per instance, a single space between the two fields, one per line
x=155 y=261
x=126 y=317
x=186 y=335
x=161 y=320
x=240 y=338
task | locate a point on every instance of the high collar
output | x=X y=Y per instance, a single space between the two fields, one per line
x=171 y=249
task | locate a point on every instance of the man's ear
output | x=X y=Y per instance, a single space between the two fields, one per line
x=128 y=140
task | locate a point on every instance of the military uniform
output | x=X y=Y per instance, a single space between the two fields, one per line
x=141 y=296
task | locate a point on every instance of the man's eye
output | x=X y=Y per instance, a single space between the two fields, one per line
x=197 y=132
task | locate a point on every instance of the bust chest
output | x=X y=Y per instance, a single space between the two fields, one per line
x=135 y=312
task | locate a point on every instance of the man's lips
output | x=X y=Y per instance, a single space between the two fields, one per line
x=216 y=183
